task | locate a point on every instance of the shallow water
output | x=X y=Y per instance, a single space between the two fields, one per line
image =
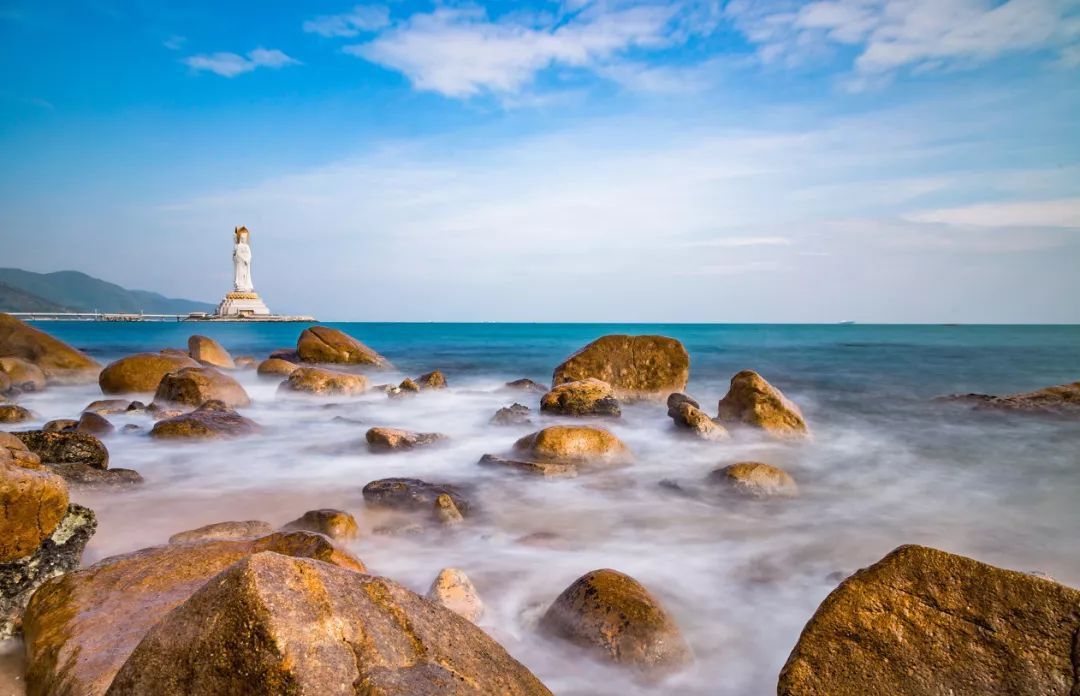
x=886 y=467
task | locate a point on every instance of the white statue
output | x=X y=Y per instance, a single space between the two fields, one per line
x=242 y=262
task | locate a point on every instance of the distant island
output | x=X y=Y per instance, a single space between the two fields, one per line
x=73 y=291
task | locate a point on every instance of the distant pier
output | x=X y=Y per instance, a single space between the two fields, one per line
x=119 y=316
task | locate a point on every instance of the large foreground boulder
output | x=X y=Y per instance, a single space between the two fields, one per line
x=140 y=373
x=585 y=397
x=321 y=344
x=194 y=386
x=636 y=367
x=273 y=625
x=753 y=401
x=323 y=382
x=211 y=420
x=1060 y=400
x=60 y=362
x=209 y=352
x=922 y=622
x=81 y=627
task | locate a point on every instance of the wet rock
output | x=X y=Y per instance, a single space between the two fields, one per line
x=194 y=386
x=108 y=407
x=573 y=444
x=13 y=451
x=406 y=388
x=1060 y=400
x=321 y=344
x=526 y=385
x=13 y=413
x=636 y=367
x=5 y=385
x=274 y=367
x=245 y=362
x=395 y=439
x=60 y=425
x=92 y=423
x=453 y=590
x=922 y=622
x=33 y=501
x=60 y=362
x=22 y=374
x=211 y=420
x=86 y=476
x=140 y=373
x=755 y=480
x=286 y=354
x=514 y=414
x=336 y=524
x=675 y=399
x=247 y=529
x=692 y=419
x=131 y=428
x=81 y=627
x=538 y=467
x=753 y=401
x=432 y=380
x=209 y=352
x=615 y=617
x=60 y=552
x=66 y=447
x=586 y=397
x=446 y=511
x=323 y=382
x=272 y=624
x=411 y=494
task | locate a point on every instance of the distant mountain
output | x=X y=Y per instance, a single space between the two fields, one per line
x=25 y=291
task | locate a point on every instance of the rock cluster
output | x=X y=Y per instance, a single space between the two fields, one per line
x=687 y=415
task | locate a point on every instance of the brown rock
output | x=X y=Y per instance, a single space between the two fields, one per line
x=755 y=480
x=395 y=439
x=273 y=367
x=60 y=362
x=615 y=617
x=194 y=386
x=675 y=399
x=432 y=380
x=336 y=524
x=446 y=511
x=12 y=450
x=753 y=401
x=453 y=589
x=514 y=414
x=217 y=531
x=922 y=622
x=212 y=419
x=60 y=425
x=636 y=367
x=1061 y=400
x=209 y=352
x=275 y=625
x=32 y=501
x=323 y=382
x=407 y=388
x=245 y=362
x=585 y=397
x=22 y=374
x=81 y=627
x=83 y=475
x=412 y=495
x=5 y=385
x=691 y=418
x=66 y=447
x=140 y=373
x=13 y=413
x=526 y=385
x=574 y=444
x=321 y=344
x=92 y=423
x=538 y=467
x=107 y=407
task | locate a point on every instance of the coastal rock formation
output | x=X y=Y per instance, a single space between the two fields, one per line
x=395 y=439
x=218 y=531
x=323 y=382
x=272 y=624
x=140 y=373
x=453 y=589
x=212 y=419
x=636 y=367
x=60 y=362
x=584 y=397
x=755 y=480
x=514 y=414
x=922 y=622
x=615 y=617
x=81 y=627
x=412 y=495
x=66 y=447
x=1060 y=400
x=321 y=344
x=689 y=417
x=22 y=375
x=194 y=386
x=432 y=380
x=209 y=352
x=753 y=401
x=14 y=413
x=407 y=388
x=336 y=524
x=573 y=444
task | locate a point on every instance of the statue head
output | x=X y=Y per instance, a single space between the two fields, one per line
x=241 y=233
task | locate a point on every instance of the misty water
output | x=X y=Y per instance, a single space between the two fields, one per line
x=887 y=466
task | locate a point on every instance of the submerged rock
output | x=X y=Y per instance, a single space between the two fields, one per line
x=323 y=382
x=140 y=373
x=395 y=439
x=60 y=362
x=86 y=476
x=755 y=480
x=209 y=352
x=60 y=425
x=212 y=419
x=585 y=397
x=336 y=524
x=539 y=467
x=194 y=386
x=636 y=367
x=526 y=385
x=321 y=344
x=22 y=375
x=1060 y=400
x=66 y=447
x=514 y=414
x=245 y=362
x=411 y=494
x=753 y=401
x=432 y=380
x=224 y=530
x=273 y=367
x=453 y=589
x=107 y=407
x=922 y=622
x=13 y=413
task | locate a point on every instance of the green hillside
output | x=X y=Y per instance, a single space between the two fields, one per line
x=16 y=300
x=75 y=291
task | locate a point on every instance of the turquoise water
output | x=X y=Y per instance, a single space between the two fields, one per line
x=887 y=466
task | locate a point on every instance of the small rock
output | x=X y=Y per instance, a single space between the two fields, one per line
x=515 y=414
x=406 y=388
x=86 y=476
x=446 y=511
x=676 y=398
x=209 y=352
x=224 y=530
x=453 y=589
x=245 y=362
x=432 y=380
x=526 y=385
x=276 y=367
x=548 y=469
x=569 y=443
x=323 y=382
x=336 y=524
x=755 y=480
x=586 y=397
x=394 y=439
x=692 y=419
x=107 y=407
x=411 y=494
x=211 y=420
x=13 y=413
x=60 y=425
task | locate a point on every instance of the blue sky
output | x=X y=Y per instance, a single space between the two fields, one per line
x=874 y=160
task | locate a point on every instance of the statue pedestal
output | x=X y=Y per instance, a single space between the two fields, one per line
x=242 y=304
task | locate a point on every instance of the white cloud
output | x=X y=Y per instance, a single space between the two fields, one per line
x=1064 y=212
x=233 y=64
x=362 y=18
x=174 y=43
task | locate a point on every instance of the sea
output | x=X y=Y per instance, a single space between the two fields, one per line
x=887 y=465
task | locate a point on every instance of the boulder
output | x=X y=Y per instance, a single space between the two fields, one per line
x=60 y=425
x=755 y=480
x=107 y=407
x=453 y=589
x=514 y=414
x=224 y=530
x=585 y=397
x=1060 y=400
x=245 y=362
x=81 y=627
x=753 y=401
x=140 y=373
x=613 y=616
x=573 y=444
x=22 y=374
x=395 y=439
x=336 y=524
x=13 y=451
x=271 y=624
x=321 y=344
x=14 y=413
x=211 y=420
x=194 y=386
x=526 y=385
x=60 y=362
x=323 y=382
x=677 y=398
x=922 y=622
x=66 y=447
x=209 y=352
x=692 y=419
x=636 y=367
x=412 y=495
x=33 y=501
x=93 y=424
x=274 y=367
x=446 y=511
x=432 y=380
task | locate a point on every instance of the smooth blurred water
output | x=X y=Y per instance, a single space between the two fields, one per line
x=887 y=466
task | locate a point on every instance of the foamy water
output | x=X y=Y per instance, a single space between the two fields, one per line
x=886 y=467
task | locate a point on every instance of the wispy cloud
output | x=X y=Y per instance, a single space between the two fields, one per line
x=1064 y=212
x=361 y=18
x=735 y=242
x=233 y=64
x=174 y=43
